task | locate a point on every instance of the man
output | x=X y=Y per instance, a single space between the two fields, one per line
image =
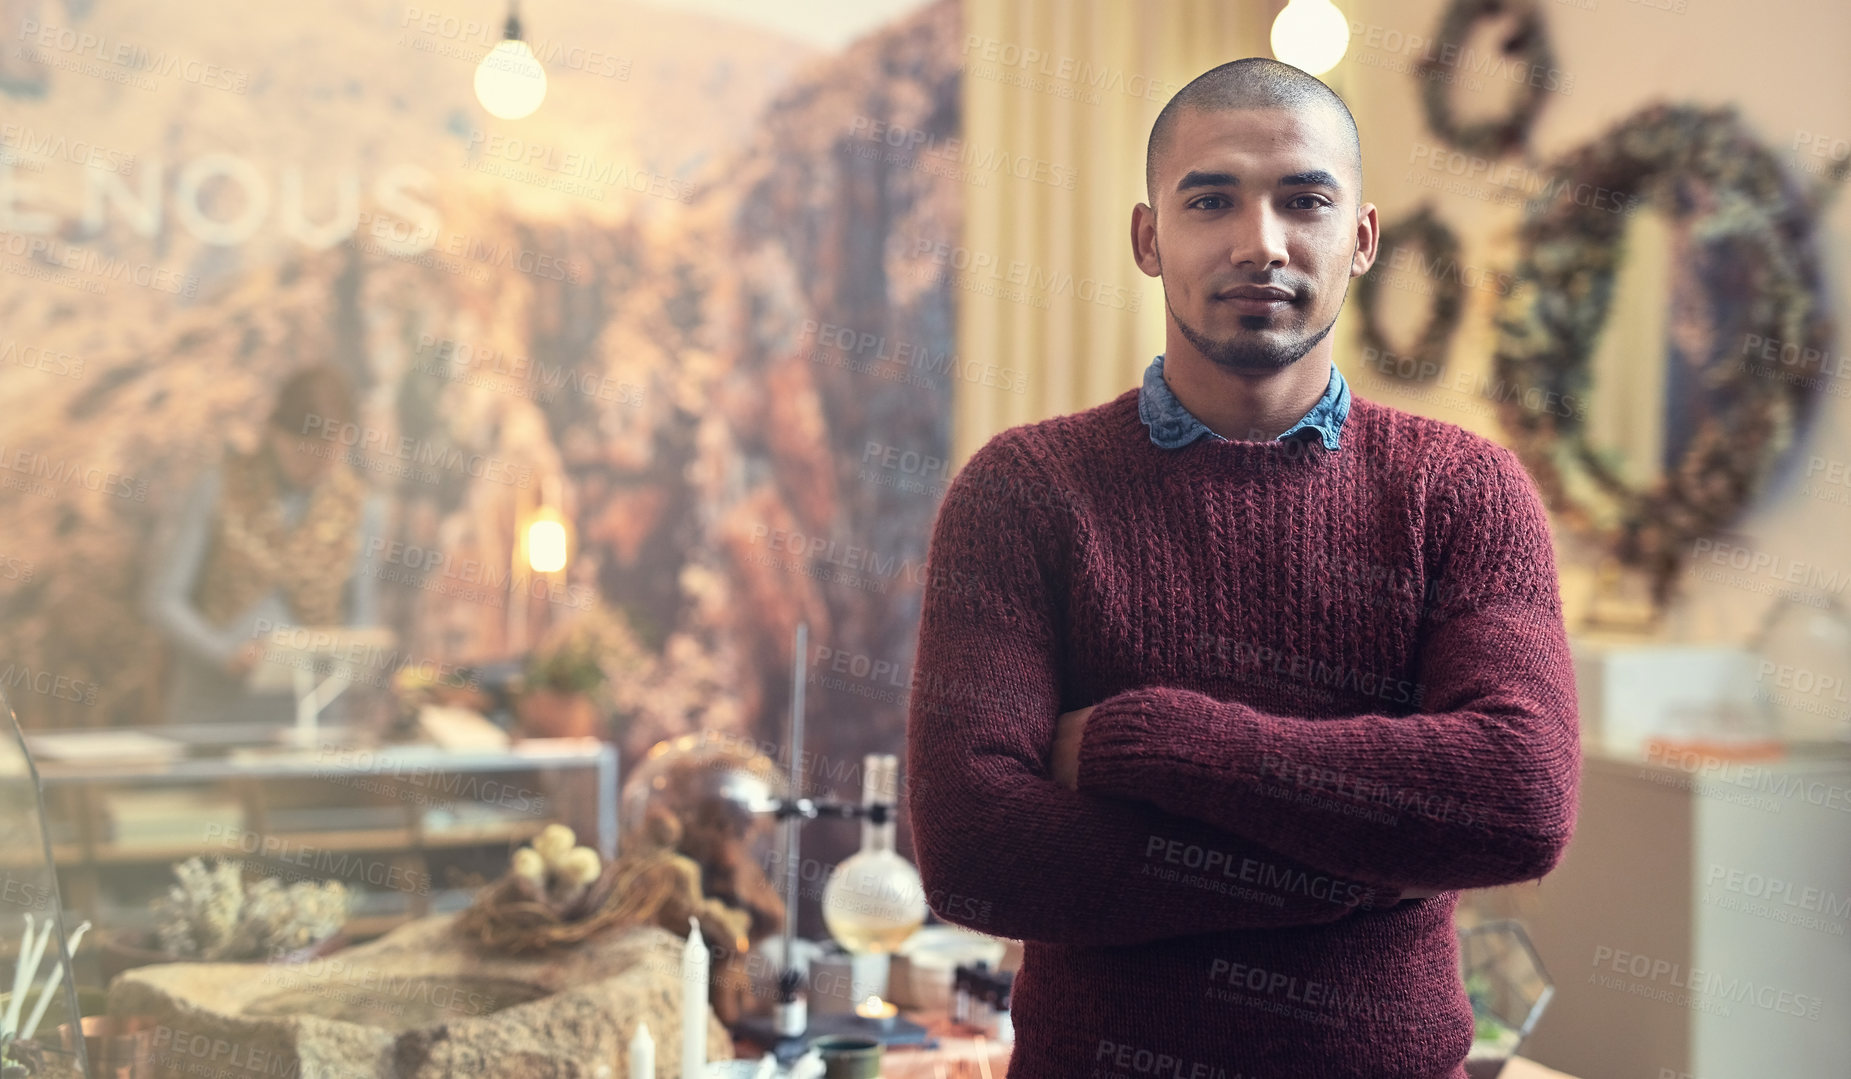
x=1226 y=687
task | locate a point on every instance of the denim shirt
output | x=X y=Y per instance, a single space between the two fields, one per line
x=1172 y=426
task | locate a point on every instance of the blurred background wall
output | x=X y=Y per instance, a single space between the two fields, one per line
x=1054 y=289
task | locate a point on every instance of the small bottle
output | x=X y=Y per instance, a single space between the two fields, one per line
x=1004 y=1032
x=793 y=1012
x=1002 y=992
x=962 y=976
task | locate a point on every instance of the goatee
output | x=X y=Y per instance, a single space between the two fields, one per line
x=1255 y=353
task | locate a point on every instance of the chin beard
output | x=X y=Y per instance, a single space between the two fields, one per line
x=1254 y=353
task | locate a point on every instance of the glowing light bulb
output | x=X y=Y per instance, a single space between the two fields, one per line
x=1311 y=35
x=510 y=82
x=546 y=542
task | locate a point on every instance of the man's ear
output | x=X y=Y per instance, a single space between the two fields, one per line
x=1368 y=234
x=1144 y=240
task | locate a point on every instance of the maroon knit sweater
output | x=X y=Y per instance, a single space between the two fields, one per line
x=1321 y=679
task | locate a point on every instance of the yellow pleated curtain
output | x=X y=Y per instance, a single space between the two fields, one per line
x=1053 y=314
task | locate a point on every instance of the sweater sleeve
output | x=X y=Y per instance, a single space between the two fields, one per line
x=1000 y=846
x=1477 y=788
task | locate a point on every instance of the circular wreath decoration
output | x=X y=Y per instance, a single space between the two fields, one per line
x=1440 y=246
x=1753 y=238
x=1527 y=43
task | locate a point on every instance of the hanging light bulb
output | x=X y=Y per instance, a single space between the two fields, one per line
x=546 y=541
x=510 y=82
x=1311 y=35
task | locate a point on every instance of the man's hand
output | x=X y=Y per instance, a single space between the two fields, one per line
x=1068 y=731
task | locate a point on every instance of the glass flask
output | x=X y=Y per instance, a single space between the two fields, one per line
x=875 y=900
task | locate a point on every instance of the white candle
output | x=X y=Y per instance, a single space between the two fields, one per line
x=693 y=1004
x=642 y=1054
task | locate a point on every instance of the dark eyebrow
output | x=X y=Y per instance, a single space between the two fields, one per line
x=1308 y=178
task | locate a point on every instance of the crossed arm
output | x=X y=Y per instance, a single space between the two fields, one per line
x=1477 y=789
x=1070 y=732
x=1005 y=849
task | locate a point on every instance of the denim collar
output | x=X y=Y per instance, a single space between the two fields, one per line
x=1172 y=426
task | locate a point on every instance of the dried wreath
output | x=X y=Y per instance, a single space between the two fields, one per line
x=1752 y=275
x=1439 y=248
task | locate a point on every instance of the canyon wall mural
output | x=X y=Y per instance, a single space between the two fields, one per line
x=696 y=302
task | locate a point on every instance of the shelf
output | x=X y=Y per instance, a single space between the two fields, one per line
x=358 y=841
x=326 y=841
x=336 y=765
x=511 y=832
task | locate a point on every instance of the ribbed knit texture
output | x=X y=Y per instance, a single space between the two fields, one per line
x=1322 y=679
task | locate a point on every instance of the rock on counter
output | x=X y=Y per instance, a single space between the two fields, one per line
x=419 y=1003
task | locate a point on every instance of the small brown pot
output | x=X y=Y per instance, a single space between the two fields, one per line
x=554 y=713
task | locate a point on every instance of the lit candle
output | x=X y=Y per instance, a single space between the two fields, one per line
x=693 y=1004
x=642 y=1054
x=881 y=1012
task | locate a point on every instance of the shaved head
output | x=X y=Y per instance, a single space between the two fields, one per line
x=1253 y=83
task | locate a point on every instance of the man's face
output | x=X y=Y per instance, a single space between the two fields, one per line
x=1250 y=200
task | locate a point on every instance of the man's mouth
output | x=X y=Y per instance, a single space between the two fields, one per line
x=1256 y=300
x=1255 y=292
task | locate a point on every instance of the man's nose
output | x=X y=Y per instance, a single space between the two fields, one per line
x=1260 y=242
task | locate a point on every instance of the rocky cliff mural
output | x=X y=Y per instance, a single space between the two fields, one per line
x=692 y=302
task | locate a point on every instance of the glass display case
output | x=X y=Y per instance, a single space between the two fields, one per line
x=410 y=829
x=39 y=1011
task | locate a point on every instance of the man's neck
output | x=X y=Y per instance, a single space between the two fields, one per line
x=1242 y=407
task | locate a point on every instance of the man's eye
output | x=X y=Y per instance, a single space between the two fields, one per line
x=1315 y=201
x=1207 y=198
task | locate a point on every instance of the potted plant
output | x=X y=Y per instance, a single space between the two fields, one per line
x=566 y=684
x=557 y=698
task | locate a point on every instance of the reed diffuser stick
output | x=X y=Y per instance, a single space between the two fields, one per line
x=54 y=980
